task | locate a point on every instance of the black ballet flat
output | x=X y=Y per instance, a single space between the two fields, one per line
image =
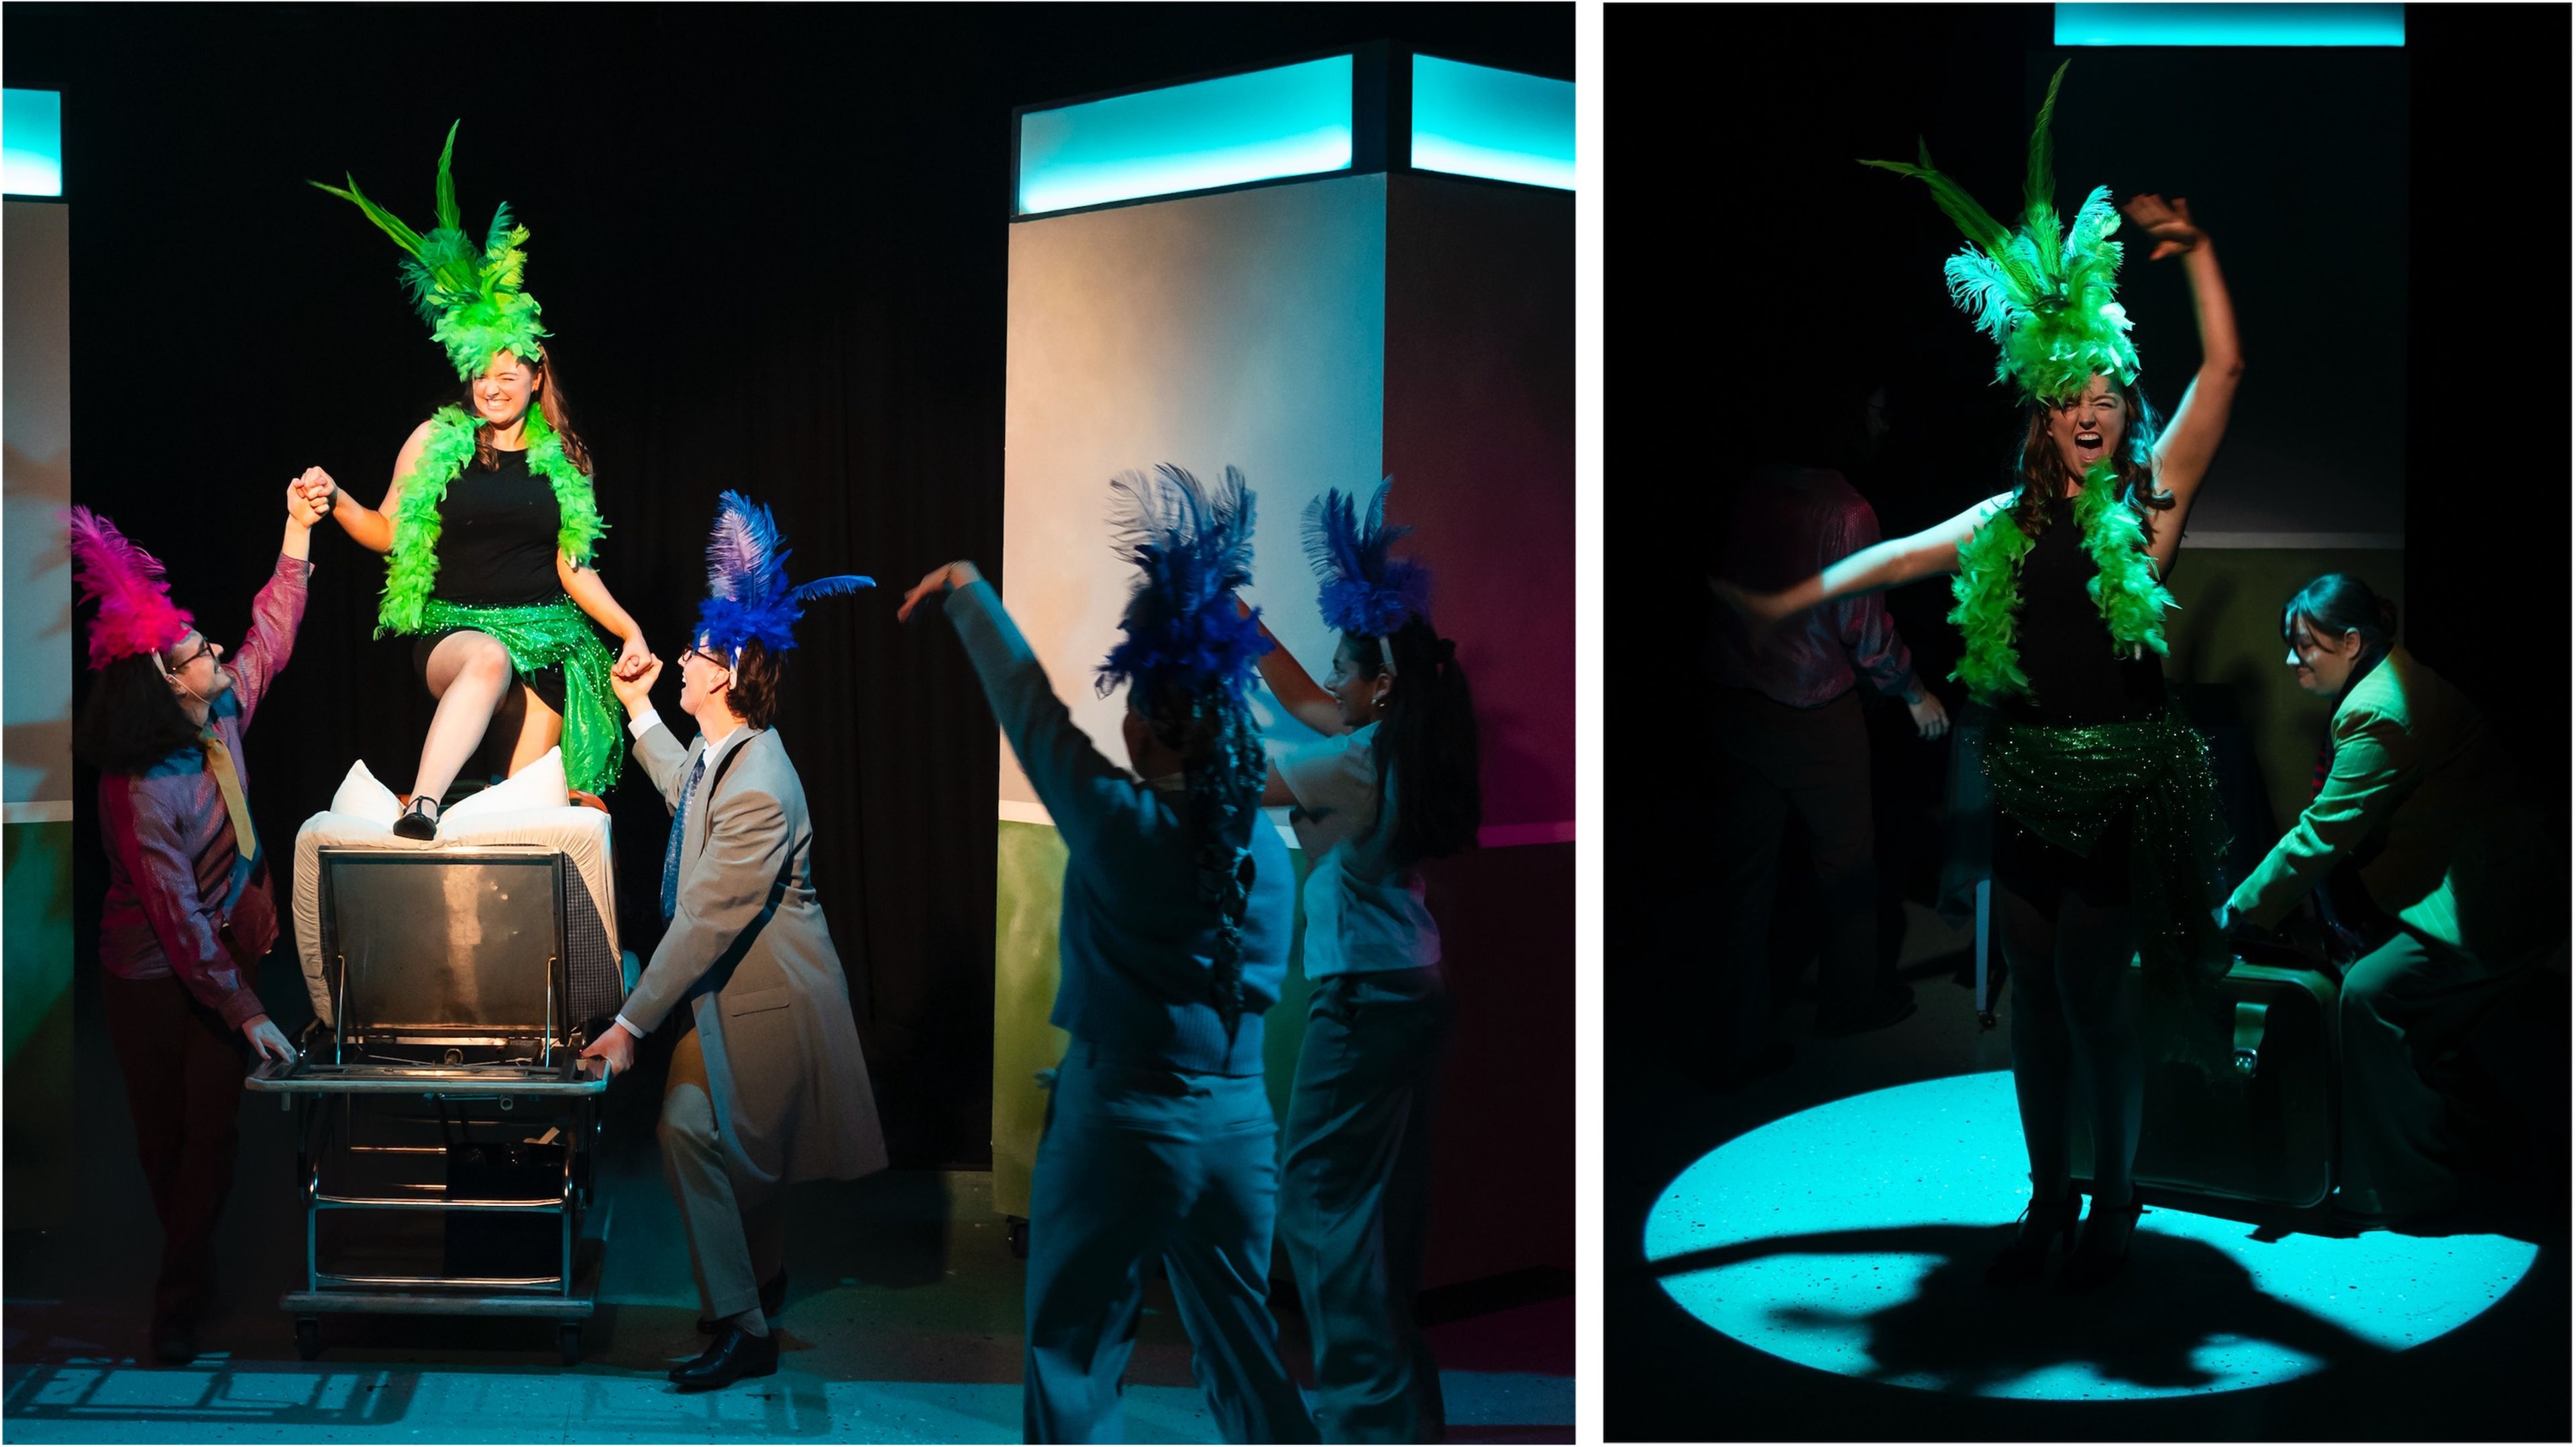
x=2026 y=1259
x=420 y=821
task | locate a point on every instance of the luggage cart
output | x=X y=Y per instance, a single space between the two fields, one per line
x=449 y=1004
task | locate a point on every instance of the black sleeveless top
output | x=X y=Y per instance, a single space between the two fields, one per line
x=496 y=536
x=2066 y=648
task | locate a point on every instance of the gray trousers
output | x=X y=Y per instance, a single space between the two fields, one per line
x=1139 y=1161
x=1356 y=1194
x=2395 y=1150
x=736 y=1228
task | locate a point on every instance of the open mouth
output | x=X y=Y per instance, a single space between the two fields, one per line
x=2088 y=442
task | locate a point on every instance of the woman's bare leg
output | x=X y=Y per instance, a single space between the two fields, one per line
x=469 y=675
x=2094 y=948
x=2042 y=1055
x=540 y=728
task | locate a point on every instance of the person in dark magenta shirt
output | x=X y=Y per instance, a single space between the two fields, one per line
x=188 y=914
x=1790 y=737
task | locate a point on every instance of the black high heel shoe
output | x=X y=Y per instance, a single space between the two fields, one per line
x=2027 y=1256
x=2090 y=1267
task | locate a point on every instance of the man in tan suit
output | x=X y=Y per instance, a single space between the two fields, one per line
x=767 y=1086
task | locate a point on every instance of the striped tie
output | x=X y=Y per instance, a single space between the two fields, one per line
x=671 y=851
x=219 y=761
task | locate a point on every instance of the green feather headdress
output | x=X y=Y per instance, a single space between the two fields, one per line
x=474 y=298
x=2048 y=301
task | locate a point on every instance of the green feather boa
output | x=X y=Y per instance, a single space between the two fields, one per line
x=1988 y=588
x=411 y=570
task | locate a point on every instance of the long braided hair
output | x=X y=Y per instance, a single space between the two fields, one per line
x=1189 y=658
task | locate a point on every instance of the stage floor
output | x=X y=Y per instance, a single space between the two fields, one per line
x=1818 y=1277
x=902 y=1325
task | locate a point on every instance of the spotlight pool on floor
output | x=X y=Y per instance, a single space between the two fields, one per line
x=1853 y=1238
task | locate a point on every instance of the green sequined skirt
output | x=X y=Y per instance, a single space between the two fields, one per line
x=554 y=635
x=2068 y=783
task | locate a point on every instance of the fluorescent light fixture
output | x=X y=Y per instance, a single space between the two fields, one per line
x=1845 y=1237
x=31 y=142
x=1474 y=120
x=1294 y=120
x=2238 y=24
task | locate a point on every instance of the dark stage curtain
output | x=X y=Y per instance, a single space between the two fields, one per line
x=771 y=243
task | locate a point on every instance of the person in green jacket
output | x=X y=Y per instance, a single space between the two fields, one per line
x=2394 y=848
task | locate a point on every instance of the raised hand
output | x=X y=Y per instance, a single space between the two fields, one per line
x=2169 y=223
x=935 y=583
x=636 y=692
x=631 y=658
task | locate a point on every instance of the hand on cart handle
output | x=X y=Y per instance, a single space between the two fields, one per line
x=266 y=1040
x=617 y=1047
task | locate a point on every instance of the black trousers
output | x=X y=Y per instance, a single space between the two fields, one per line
x=183 y=1080
x=1772 y=759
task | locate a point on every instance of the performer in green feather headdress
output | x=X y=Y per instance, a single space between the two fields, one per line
x=489 y=524
x=2108 y=833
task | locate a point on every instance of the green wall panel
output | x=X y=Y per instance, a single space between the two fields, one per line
x=1030 y=862
x=36 y=899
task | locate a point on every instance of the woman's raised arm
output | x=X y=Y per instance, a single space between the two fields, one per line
x=2190 y=440
x=1897 y=561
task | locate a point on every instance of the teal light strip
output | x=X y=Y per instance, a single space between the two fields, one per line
x=1473 y=120
x=2236 y=24
x=1294 y=120
x=31 y=142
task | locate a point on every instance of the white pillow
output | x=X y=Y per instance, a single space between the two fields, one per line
x=538 y=786
x=361 y=797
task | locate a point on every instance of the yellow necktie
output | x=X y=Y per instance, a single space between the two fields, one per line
x=220 y=760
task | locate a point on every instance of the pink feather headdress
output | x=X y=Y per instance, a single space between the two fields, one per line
x=135 y=614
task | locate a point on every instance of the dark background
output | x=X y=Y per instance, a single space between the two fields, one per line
x=1753 y=265
x=771 y=243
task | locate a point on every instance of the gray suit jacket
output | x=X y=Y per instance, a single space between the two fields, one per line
x=747 y=951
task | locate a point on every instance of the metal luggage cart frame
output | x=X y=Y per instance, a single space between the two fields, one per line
x=407 y=1042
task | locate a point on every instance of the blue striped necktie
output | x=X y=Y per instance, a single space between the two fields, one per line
x=671 y=851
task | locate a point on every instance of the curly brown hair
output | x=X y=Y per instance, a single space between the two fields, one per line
x=2042 y=473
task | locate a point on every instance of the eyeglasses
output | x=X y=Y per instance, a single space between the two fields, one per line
x=205 y=649
x=708 y=654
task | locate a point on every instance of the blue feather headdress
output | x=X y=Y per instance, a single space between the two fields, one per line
x=1364 y=592
x=1194 y=545
x=748 y=597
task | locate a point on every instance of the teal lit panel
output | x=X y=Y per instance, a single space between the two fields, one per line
x=1294 y=120
x=1474 y=120
x=2239 y=24
x=31 y=142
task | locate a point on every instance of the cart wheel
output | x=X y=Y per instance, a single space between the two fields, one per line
x=1019 y=1239
x=308 y=1337
x=568 y=1338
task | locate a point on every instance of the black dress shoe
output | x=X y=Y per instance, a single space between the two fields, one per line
x=734 y=1355
x=174 y=1343
x=773 y=1295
